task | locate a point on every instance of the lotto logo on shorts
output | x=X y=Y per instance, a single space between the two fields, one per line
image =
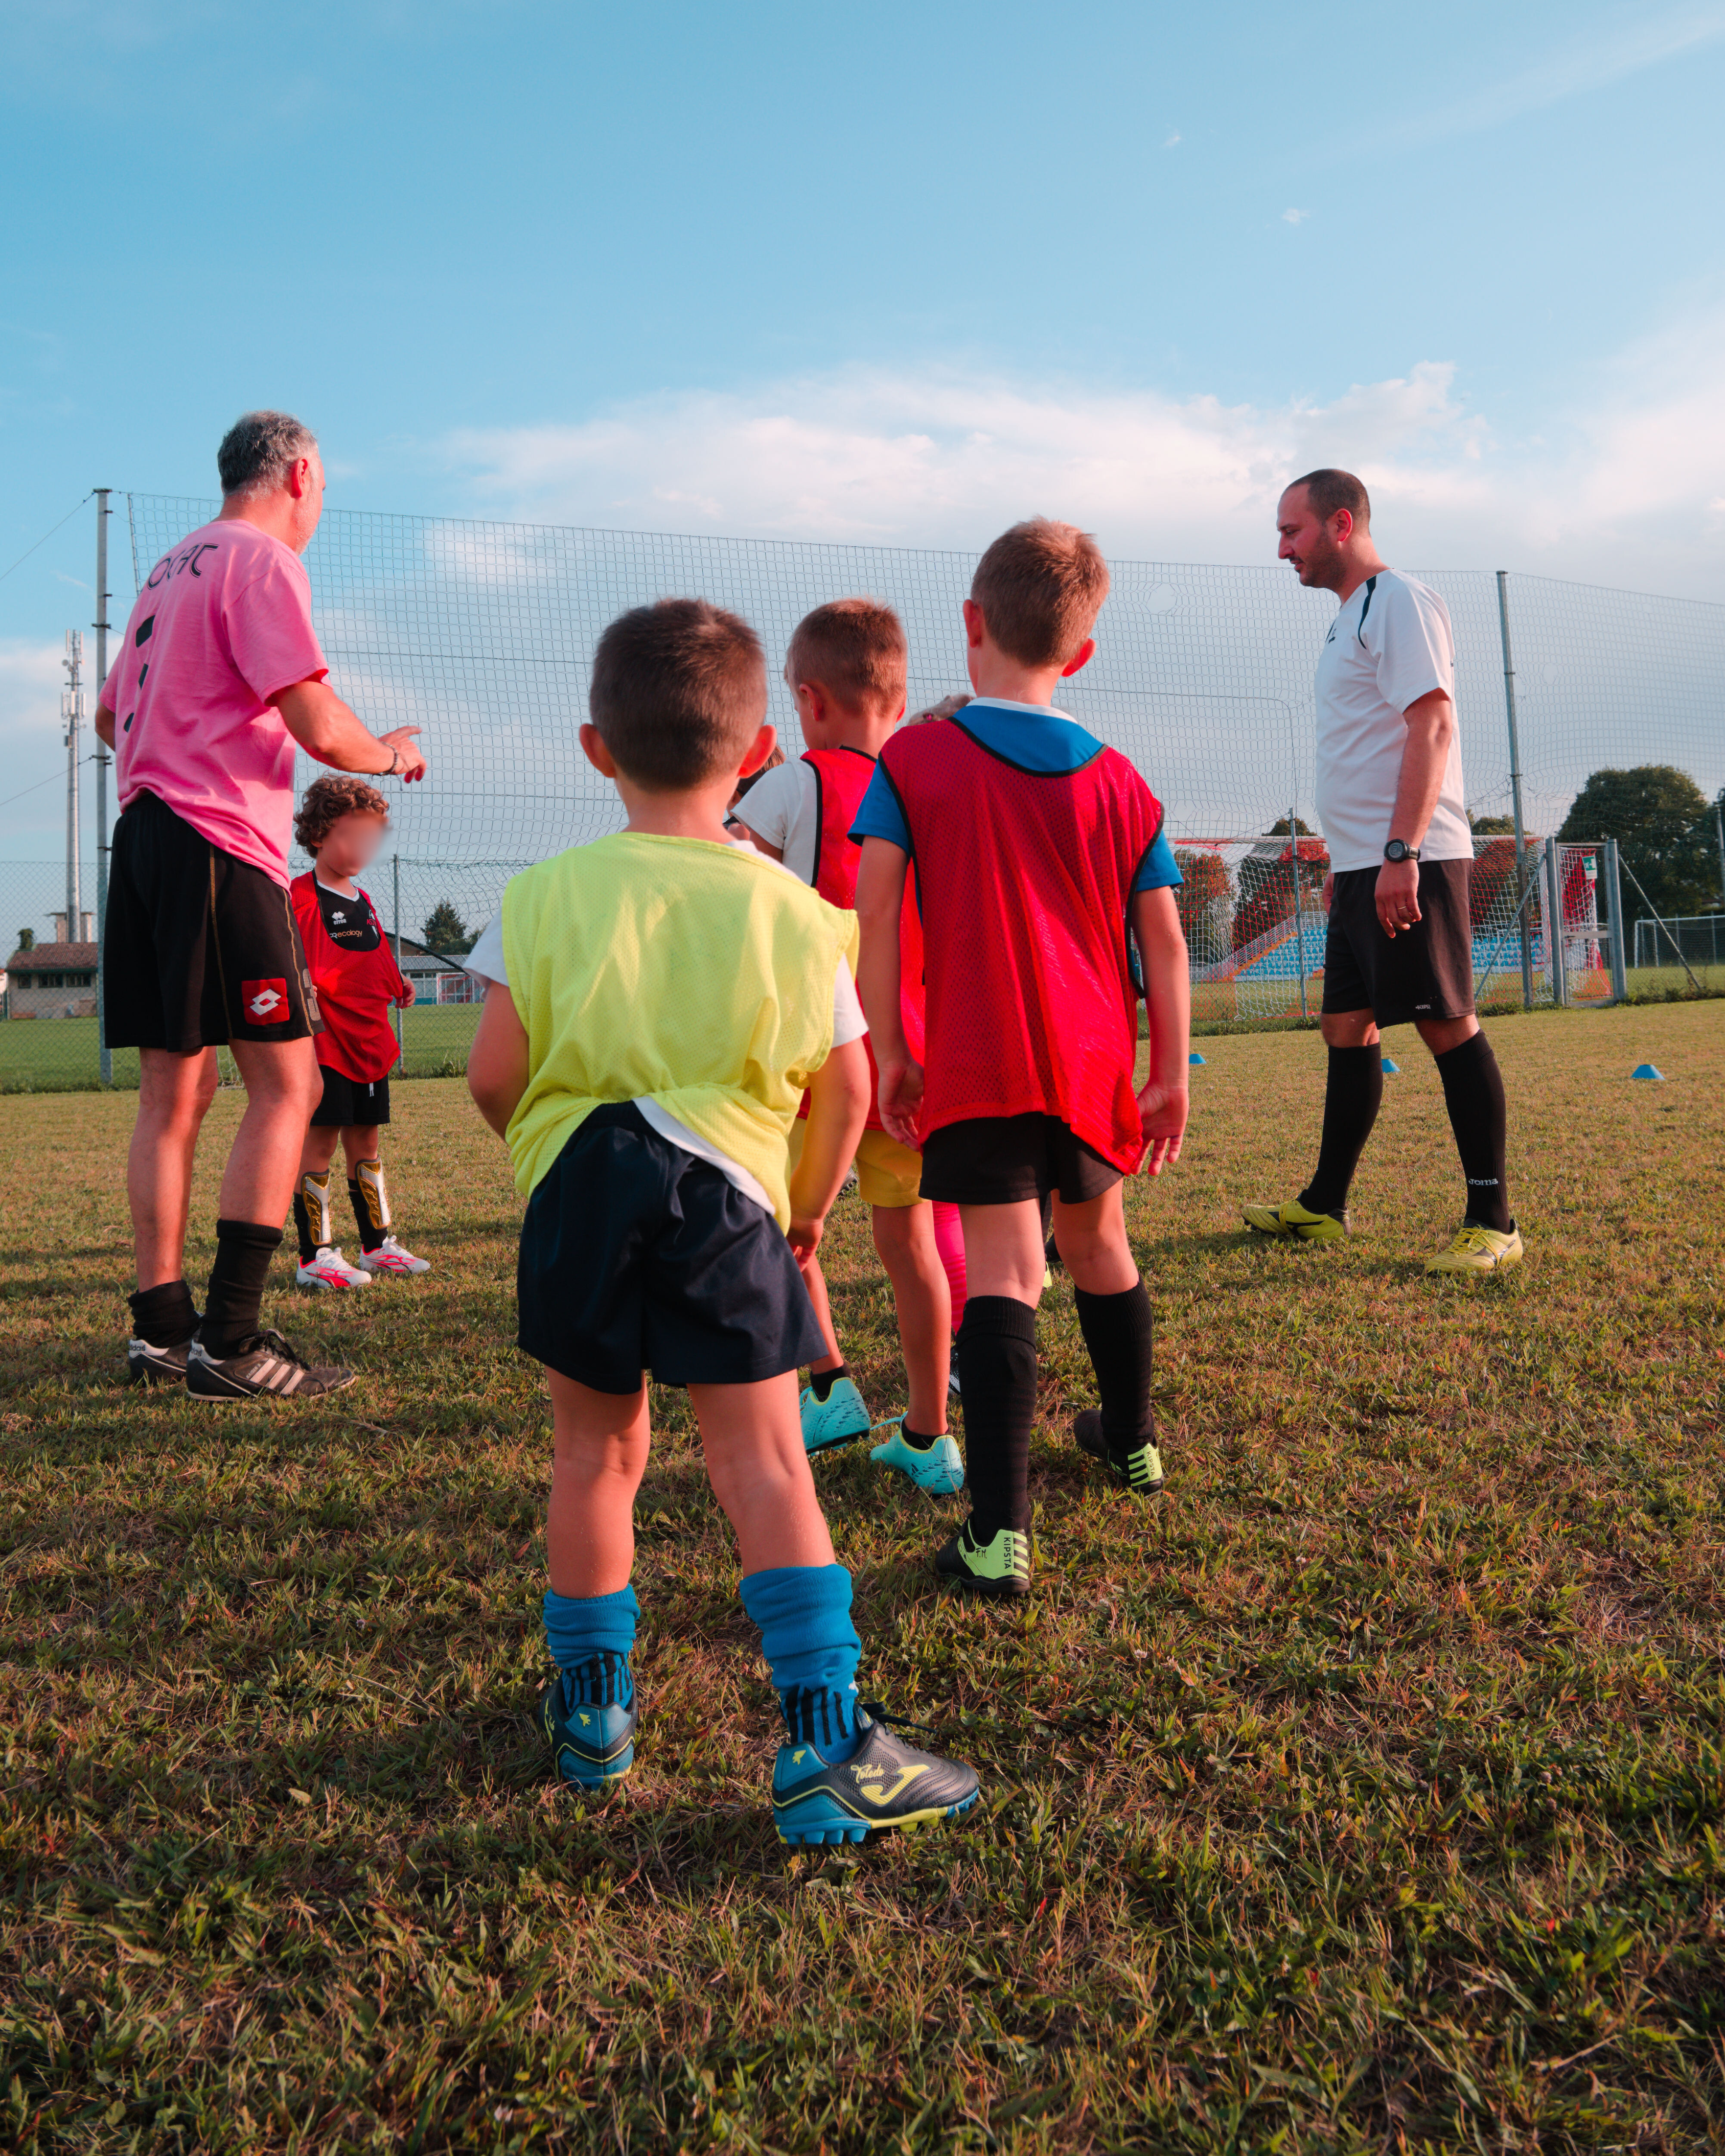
x=265 y=1002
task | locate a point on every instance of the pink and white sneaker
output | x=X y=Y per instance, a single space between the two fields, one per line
x=390 y=1257
x=329 y=1269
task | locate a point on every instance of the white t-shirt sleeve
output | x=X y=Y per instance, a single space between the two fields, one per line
x=769 y=807
x=1408 y=634
x=485 y=959
x=849 y=1022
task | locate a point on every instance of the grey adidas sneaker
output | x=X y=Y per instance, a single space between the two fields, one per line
x=265 y=1368
x=149 y=1365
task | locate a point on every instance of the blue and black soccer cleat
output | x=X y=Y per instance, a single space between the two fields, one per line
x=885 y=1783
x=590 y=1745
x=937 y=1467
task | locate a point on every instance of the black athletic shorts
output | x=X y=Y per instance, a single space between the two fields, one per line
x=347 y=1102
x=637 y=1255
x=1422 y=972
x=198 y=948
x=1001 y=1160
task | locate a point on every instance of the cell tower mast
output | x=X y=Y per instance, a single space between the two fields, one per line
x=72 y=712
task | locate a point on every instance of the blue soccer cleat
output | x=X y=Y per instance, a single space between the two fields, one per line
x=840 y=1418
x=590 y=1745
x=886 y=1782
x=937 y=1468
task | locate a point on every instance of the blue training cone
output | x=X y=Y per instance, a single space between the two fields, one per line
x=1194 y=1057
x=1392 y=1069
x=1647 y=1071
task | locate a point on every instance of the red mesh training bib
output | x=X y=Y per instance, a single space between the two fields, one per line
x=1023 y=880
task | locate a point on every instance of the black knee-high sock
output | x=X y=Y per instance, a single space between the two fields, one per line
x=1116 y=1331
x=1479 y=1115
x=368 y=1195
x=165 y=1315
x=244 y=1249
x=996 y=1369
x=1352 y=1096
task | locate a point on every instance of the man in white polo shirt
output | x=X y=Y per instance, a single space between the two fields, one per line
x=1399 y=949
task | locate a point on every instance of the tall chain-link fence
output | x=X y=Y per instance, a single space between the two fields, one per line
x=481 y=635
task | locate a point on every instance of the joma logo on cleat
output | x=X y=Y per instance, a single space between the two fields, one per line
x=871 y=1782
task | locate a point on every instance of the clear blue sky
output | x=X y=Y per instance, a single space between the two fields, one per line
x=549 y=259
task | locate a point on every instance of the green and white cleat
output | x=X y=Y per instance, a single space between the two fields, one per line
x=840 y=1418
x=937 y=1468
x=1139 y=1468
x=886 y=1782
x=1293 y=1222
x=998 y=1567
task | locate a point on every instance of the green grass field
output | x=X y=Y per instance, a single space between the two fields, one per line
x=1365 y=1792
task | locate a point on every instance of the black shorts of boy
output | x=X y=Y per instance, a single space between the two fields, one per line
x=1001 y=1160
x=350 y=1103
x=1424 y=972
x=637 y=1256
x=199 y=948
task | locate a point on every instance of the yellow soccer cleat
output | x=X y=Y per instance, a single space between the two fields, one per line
x=1477 y=1250
x=1291 y=1221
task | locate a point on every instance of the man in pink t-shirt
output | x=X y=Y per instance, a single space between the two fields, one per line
x=219 y=676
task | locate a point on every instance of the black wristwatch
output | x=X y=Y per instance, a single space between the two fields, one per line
x=1397 y=851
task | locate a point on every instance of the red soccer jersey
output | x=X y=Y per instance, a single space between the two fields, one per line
x=1025 y=878
x=355 y=990
x=842 y=777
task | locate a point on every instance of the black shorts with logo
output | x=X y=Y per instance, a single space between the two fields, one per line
x=1422 y=972
x=1001 y=1160
x=198 y=948
x=637 y=1255
x=351 y=1103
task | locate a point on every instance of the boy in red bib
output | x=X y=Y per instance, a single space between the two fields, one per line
x=340 y=824
x=847 y=668
x=1038 y=856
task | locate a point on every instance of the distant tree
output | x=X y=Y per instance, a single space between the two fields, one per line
x=1266 y=883
x=1493 y=827
x=27 y=939
x=446 y=932
x=1204 y=899
x=1281 y=828
x=1663 y=825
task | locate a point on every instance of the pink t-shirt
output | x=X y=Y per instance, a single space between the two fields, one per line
x=223 y=624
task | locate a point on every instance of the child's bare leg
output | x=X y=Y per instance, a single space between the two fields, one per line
x=753 y=1438
x=318 y=1149
x=1114 y=1316
x=1004 y=1251
x=814 y=1280
x=904 y=1236
x=359 y=1141
x=599 y=1454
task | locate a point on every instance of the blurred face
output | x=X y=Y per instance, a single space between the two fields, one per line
x=1312 y=544
x=352 y=844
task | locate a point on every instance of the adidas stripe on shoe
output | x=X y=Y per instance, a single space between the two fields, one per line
x=265 y=1368
x=1001 y=1566
x=1139 y=1467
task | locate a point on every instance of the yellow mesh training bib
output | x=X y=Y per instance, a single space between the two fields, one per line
x=696 y=975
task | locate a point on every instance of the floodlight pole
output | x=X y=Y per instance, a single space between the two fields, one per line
x=104 y=1053
x=1515 y=784
x=72 y=712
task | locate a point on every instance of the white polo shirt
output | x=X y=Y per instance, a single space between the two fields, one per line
x=1390 y=645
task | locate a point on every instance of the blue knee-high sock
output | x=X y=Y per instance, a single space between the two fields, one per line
x=591 y=1638
x=811 y=1646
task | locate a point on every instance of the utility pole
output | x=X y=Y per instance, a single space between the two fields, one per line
x=72 y=712
x=104 y=1053
x=1515 y=785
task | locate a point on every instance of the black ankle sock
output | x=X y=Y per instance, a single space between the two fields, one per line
x=165 y=1315
x=371 y=1231
x=244 y=1249
x=1352 y=1096
x=1116 y=1331
x=302 y=1229
x=996 y=1369
x=824 y=1381
x=1479 y=1115
x=915 y=1438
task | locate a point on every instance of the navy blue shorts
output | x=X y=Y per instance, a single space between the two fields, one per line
x=636 y=1255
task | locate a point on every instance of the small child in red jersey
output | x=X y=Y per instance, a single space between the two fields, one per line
x=1038 y=854
x=847 y=668
x=340 y=823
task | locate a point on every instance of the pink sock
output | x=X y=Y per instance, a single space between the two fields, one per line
x=949 y=1241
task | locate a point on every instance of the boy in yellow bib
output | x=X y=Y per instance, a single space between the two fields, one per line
x=660 y=1000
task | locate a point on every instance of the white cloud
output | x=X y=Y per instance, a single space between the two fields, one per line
x=33 y=756
x=1623 y=490
x=1295 y=216
x=1170 y=142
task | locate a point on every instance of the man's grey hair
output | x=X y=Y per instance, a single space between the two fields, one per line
x=258 y=449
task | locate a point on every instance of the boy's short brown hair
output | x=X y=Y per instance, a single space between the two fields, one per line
x=856 y=649
x=327 y=801
x=679 y=689
x=1040 y=586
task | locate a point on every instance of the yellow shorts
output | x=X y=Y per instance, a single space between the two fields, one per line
x=887 y=1172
